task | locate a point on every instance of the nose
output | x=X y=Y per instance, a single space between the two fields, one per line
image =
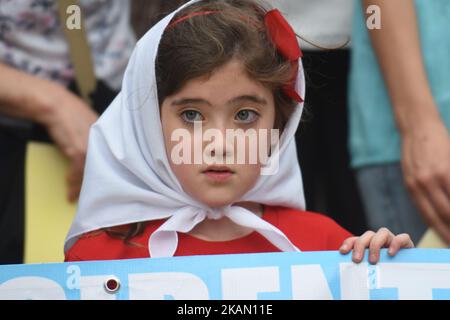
x=217 y=145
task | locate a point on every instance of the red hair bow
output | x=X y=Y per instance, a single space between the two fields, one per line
x=285 y=40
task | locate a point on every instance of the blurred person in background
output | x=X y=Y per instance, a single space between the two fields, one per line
x=400 y=114
x=330 y=184
x=39 y=99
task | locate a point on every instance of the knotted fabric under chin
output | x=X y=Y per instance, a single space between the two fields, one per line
x=164 y=241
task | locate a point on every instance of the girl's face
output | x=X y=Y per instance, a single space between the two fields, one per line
x=229 y=99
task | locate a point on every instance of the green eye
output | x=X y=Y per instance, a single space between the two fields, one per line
x=246 y=116
x=191 y=116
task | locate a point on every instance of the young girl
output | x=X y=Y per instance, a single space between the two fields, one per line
x=224 y=64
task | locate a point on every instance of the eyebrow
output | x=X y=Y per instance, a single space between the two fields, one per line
x=240 y=99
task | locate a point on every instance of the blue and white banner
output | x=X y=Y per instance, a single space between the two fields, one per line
x=412 y=274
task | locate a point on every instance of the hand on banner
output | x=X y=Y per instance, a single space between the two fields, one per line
x=375 y=241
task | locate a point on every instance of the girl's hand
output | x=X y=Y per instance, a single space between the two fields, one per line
x=375 y=241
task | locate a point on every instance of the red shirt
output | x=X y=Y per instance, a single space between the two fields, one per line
x=308 y=231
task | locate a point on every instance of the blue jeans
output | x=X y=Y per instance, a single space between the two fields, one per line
x=387 y=201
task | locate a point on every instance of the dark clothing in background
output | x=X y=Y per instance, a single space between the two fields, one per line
x=12 y=206
x=329 y=183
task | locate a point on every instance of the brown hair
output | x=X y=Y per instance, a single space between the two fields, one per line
x=201 y=44
x=197 y=46
x=129 y=233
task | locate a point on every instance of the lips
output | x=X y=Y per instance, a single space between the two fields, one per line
x=216 y=168
x=218 y=173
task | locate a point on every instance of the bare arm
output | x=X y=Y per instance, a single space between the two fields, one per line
x=65 y=116
x=425 y=139
x=19 y=94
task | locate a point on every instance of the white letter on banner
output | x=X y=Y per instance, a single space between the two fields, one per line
x=245 y=283
x=31 y=288
x=309 y=283
x=414 y=280
x=93 y=288
x=354 y=281
x=179 y=285
x=73 y=281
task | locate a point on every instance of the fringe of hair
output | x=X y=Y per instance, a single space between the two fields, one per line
x=134 y=230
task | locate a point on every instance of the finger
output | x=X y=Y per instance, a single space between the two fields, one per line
x=438 y=198
x=74 y=194
x=347 y=245
x=74 y=190
x=77 y=164
x=429 y=214
x=445 y=182
x=442 y=229
x=360 y=245
x=74 y=176
x=400 y=241
x=74 y=180
x=382 y=238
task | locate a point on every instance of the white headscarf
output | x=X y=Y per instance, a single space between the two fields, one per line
x=128 y=178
